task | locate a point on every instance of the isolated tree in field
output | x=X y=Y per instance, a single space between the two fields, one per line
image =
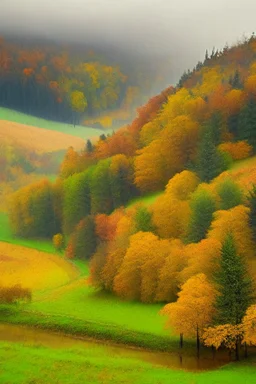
x=202 y=206
x=58 y=242
x=230 y=194
x=194 y=309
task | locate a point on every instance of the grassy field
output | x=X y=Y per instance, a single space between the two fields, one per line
x=22 y=364
x=18 y=117
x=34 y=269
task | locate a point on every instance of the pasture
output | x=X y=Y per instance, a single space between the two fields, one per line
x=68 y=129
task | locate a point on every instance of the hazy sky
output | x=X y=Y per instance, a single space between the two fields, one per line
x=183 y=29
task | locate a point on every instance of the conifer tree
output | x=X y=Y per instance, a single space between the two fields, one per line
x=234 y=285
x=210 y=161
x=89 y=146
x=202 y=206
x=247 y=123
x=252 y=214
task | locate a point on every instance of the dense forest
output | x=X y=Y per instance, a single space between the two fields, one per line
x=69 y=84
x=194 y=247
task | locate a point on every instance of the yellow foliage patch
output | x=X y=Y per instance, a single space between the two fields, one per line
x=33 y=269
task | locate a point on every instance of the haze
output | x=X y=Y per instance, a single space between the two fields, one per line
x=181 y=30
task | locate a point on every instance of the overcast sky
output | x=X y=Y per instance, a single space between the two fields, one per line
x=181 y=29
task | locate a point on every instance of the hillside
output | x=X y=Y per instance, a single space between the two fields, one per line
x=190 y=156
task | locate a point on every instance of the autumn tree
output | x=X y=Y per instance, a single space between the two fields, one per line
x=194 y=309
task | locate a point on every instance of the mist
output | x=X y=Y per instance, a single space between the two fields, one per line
x=178 y=31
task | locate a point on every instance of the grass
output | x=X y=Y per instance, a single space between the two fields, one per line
x=22 y=364
x=145 y=200
x=18 y=117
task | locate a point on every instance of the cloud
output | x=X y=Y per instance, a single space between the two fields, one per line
x=180 y=29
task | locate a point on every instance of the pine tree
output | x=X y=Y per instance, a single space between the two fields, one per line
x=203 y=206
x=247 y=123
x=89 y=146
x=234 y=285
x=143 y=220
x=210 y=161
x=252 y=206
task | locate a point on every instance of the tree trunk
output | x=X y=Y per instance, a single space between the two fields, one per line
x=237 y=349
x=181 y=340
x=197 y=342
x=245 y=350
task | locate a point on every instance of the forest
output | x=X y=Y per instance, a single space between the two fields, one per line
x=71 y=84
x=193 y=248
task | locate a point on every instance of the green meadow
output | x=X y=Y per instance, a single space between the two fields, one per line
x=18 y=117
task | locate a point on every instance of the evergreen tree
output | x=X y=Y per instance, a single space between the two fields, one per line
x=252 y=206
x=247 y=123
x=235 y=81
x=230 y=194
x=202 y=206
x=143 y=220
x=232 y=122
x=234 y=285
x=89 y=146
x=84 y=238
x=210 y=161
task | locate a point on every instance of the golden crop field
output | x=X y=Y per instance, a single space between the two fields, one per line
x=33 y=269
x=37 y=139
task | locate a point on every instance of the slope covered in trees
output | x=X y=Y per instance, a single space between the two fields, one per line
x=183 y=141
x=71 y=84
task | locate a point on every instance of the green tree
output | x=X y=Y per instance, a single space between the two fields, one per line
x=202 y=206
x=77 y=200
x=234 y=285
x=247 y=123
x=143 y=220
x=89 y=147
x=230 y=194
x=235 y=288
x=84 y=238
x=100 y=186
x=252 y=214
x=210 y=161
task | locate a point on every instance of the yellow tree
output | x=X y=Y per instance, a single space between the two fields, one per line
x=249 y=326
x=194 y=309
x=78 y=103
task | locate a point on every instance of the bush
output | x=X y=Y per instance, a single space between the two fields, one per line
x=14 y=294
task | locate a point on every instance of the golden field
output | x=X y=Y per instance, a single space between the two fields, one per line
x=37 y=139
x=33 y=269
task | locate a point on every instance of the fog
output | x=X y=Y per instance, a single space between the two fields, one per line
x=179 y=30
